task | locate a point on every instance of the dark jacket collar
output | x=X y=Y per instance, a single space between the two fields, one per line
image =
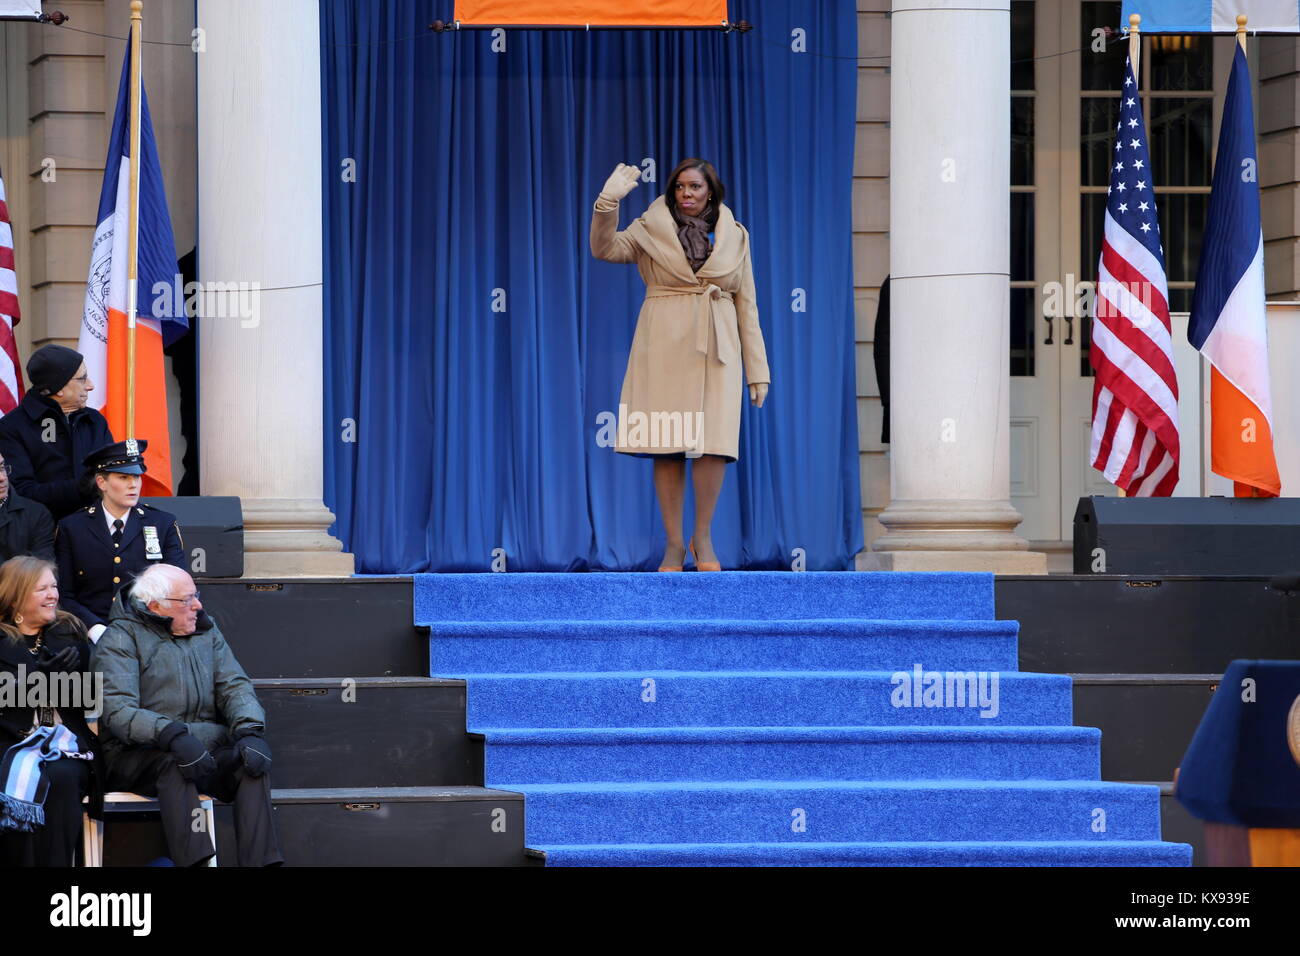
x=38 y=406
x=14 y=502
x=16 y=653
x=125 y=609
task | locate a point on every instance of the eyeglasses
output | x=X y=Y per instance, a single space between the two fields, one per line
x=8 y=468
x=81 y=378
x=185 y=601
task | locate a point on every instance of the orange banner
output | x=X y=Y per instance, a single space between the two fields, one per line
x=596 y=13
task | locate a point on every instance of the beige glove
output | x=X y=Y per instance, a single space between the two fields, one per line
x=758 y=394
x=621 y=181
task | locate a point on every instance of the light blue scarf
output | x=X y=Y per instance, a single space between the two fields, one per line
x=22 y=801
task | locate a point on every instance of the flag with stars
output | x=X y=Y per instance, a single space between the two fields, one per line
x=1135 y=392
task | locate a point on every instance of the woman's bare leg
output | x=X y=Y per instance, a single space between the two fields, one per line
x=670 y=487
x=707 y=473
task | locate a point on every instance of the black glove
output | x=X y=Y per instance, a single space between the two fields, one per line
x=66 y=660
x=256 y=754
x=192 y=758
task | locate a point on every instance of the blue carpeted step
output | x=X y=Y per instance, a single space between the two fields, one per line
x=688 y=597
x=791 y=753
x=522 y=646
x=752 y=719
x=663 y=698
x=1110 y=853
x=838 y=811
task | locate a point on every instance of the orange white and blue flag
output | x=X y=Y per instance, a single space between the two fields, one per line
x=103 y=339
x=1228 y=320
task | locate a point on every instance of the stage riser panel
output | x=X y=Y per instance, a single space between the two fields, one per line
x=1080 y=624
x=1145 y=727
x=389 y=734
x=409 y=832
x=1179 y=826
x=327 y=627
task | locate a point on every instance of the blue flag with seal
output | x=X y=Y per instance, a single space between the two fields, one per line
x=1213 y=16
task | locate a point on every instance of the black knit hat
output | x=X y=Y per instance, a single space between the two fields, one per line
x=51 y=367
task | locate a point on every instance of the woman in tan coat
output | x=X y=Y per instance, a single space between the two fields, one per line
x=698 y=325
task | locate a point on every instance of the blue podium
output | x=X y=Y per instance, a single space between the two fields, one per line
x=1241 y=773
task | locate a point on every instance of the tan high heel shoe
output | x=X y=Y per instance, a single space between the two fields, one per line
x=703 y=565
x=670 y=567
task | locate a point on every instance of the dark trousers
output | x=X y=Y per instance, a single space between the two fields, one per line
x=153 y=773
x=55 y=843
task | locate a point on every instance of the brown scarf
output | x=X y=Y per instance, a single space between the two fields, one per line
x=657 y=232
x=693 y=231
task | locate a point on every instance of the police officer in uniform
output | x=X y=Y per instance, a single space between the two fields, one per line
x=105 y=545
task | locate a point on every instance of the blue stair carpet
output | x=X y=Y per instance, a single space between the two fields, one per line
x=768 y=719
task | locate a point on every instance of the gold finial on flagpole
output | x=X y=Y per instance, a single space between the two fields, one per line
x=1135 y=45
x=1241 y=31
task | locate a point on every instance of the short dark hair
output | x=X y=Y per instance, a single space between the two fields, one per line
x=710 y=176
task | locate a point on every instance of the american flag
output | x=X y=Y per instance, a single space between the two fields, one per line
x=11 y=377
x=1135 y=392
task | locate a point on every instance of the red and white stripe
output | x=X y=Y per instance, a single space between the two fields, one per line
x=11 y=376
x=1135 y=392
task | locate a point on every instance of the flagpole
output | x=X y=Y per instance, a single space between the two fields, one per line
x=133 y=214
x=1241 y=42
x=1135 y=47
x=1134 y=59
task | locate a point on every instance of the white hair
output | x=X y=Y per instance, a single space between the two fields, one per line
x=155 y=583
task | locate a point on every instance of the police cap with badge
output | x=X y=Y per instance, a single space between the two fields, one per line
x=123 y=457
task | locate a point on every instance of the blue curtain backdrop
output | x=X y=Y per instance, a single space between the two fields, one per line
x=472 y=340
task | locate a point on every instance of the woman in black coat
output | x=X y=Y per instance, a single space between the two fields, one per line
x=36 y=636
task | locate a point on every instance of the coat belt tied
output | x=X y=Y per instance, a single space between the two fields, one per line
x=708 y=309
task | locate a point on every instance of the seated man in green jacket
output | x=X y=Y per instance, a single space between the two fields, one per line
x=169 y=732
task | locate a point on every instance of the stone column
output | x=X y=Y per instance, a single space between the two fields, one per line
x=950 y=504
x=259 y=134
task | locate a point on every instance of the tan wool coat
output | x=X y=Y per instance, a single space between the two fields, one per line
x=683 y=386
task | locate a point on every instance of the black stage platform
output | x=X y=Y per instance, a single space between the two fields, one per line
x=339 y=665
x=372 y=762
x=1146 y=654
